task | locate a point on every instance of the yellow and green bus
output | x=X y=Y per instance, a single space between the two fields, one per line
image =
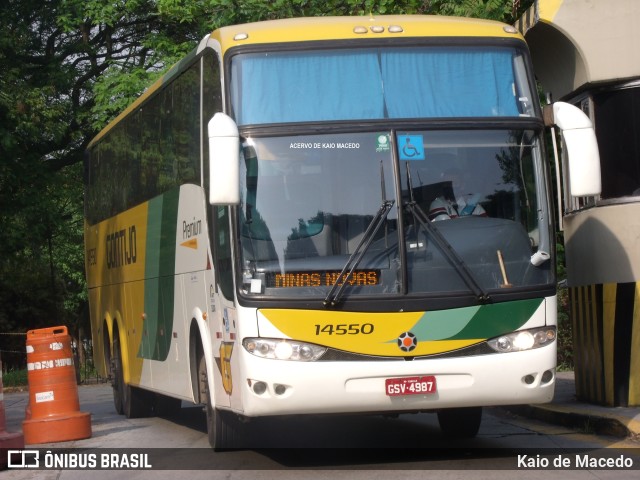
x=329 y=215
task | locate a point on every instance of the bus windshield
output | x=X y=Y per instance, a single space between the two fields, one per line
x=411 y=212
x=379 y=83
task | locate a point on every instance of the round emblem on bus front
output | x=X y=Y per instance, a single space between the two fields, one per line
x=407 y=341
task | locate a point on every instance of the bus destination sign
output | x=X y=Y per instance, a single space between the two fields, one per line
x=359 y=278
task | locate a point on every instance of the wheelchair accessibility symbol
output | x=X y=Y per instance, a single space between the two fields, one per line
x=411 y=147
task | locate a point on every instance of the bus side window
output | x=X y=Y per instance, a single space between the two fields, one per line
x=211 y=102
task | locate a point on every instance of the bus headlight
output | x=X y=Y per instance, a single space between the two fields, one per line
x=280 y=349
x=523 y=340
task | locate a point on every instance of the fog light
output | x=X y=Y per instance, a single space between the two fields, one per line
x=259 y=388
x=547 y=376
x=279 y=389
x=529 y=379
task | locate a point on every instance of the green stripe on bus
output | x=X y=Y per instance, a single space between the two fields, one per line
x=485 y=321
x=499 y=318
x=159 y=291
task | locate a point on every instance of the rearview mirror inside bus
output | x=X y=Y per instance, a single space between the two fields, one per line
x=224 y=160
x=581 y=148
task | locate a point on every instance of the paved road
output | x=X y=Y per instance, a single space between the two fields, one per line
x=326 y=448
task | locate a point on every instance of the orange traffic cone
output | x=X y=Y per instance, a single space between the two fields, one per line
x=53 y=413
x=8 y=441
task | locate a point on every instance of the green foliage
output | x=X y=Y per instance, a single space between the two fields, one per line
x=15 y=378
x=491 y=9
x=217 y=13
x=20 y=377
x=115 y=90
x=565 y=332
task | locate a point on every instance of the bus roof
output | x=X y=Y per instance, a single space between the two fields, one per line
x=343 y=28
x=331 y=28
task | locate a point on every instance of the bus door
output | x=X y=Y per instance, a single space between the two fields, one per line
x=223 y=319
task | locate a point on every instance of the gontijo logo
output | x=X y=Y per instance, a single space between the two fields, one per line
x=407 y=341
x=121 y=247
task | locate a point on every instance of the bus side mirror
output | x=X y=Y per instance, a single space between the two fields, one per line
x=583 y=157
x=224 y=160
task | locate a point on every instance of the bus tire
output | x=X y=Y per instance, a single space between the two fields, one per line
x=460 y=422
x=130 y=401
x=223 y=428
x=117 y=380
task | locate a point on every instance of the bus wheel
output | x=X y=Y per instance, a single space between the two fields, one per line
x=223 y=428
x=130 y=401
x=117 y=381
x=460 y=422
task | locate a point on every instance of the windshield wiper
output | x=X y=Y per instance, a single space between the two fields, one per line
x=334 y=294
x=448 y=251
x=456 y=260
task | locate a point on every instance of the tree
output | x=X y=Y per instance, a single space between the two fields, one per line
x=55 y=56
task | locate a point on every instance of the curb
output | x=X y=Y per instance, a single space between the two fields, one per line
x=599 y=423
x=19 y=388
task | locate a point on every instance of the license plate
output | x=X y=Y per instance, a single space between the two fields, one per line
x=425 y=385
